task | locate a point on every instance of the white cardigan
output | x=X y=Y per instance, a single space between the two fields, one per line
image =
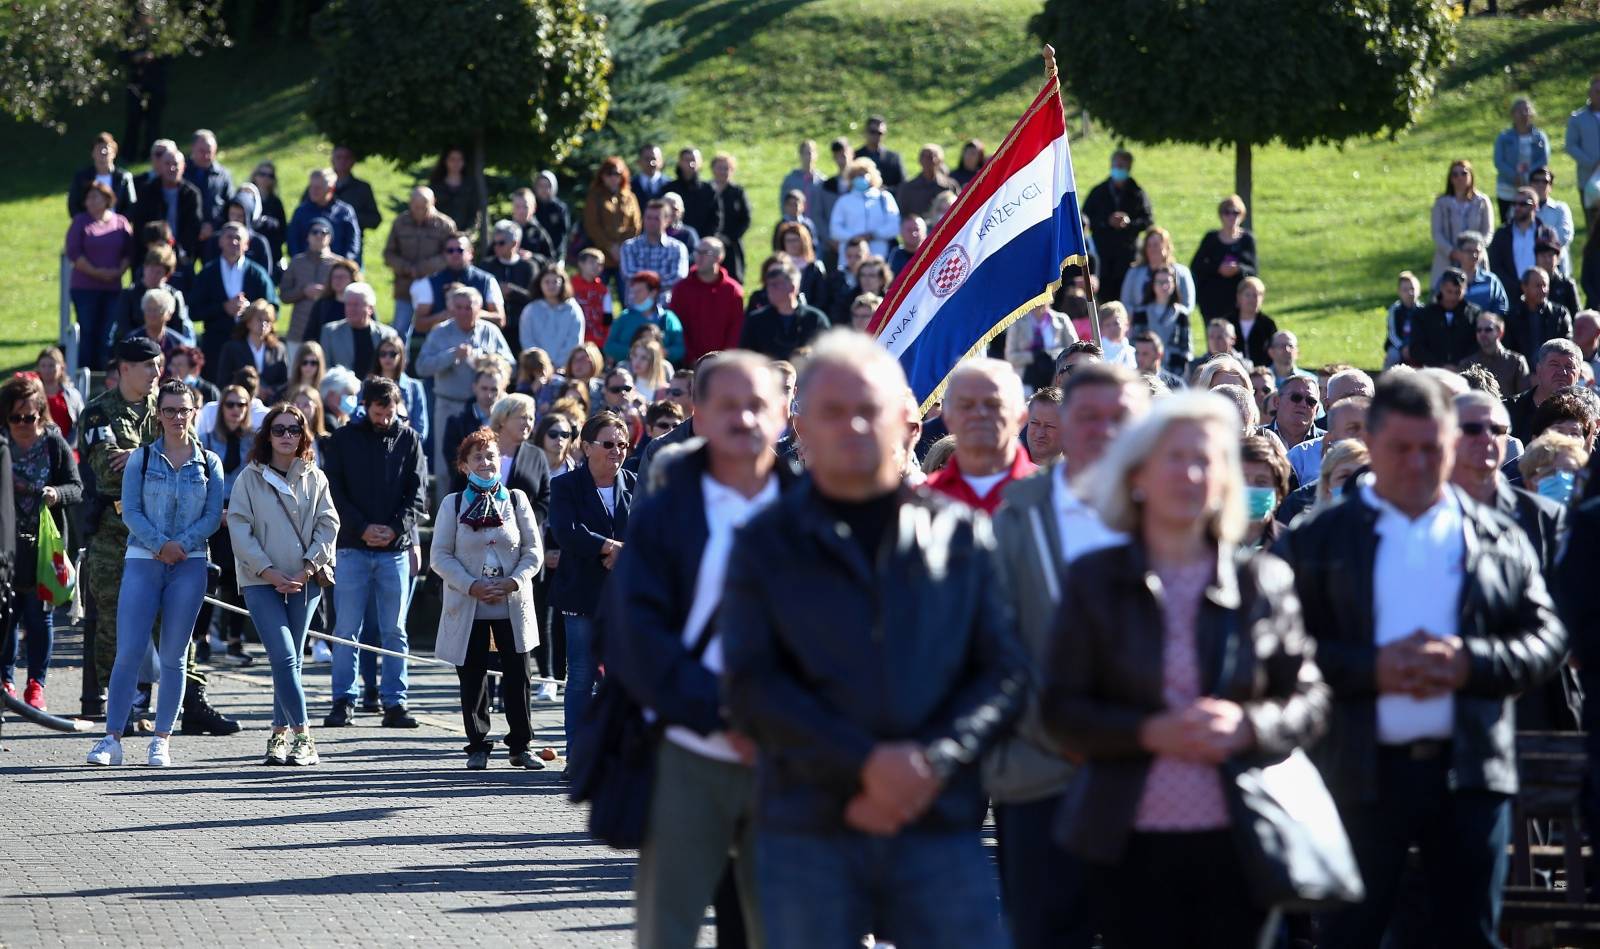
x=458 y=554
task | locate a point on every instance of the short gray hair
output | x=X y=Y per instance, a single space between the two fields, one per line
x=1361 y=382
x=1470 y=238
x=162 y=298
x=1447 y=379
x=1478 y=399
x=326 y=174
x=509 y=229
x=1249 y=412
x=470 y=293
x=363 y=290
x=998 y=370
x=207 y=134
x=1552 y=346
x=1109 y=480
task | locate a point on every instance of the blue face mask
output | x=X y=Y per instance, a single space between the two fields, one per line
x=482 y=483
x=347 y=404
x=1260 y=502
x=1119 y=174
x=191 y=379
x=860 y=184
x=648 y=303
x=1557 y=486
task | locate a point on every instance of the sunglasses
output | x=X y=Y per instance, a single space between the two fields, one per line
x=677 y=393
x=233 y=404
x=609 y=445
x=388 y=354
x=287 y=431
x=454 y=251
x=309 y=362
x=1299 y=398
x=559 y=434
x=1474 y=429
x=1230 y=212
x=173 y=411
x=618 y=390
x=28 y=419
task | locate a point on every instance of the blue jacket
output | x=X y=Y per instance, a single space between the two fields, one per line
x=205 y=307
x=620 y=338
x=580 y=525
x=161 y=503
x=416 y=404
x=1505 y=158
x=346 y=228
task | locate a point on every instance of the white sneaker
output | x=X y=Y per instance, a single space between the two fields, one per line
x=320 y=652
x=160 y=753
x=546 y=693
x=106 y=751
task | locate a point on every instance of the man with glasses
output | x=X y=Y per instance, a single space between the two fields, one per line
x=1297 y=411
x=709 y=303
x=415 y=251
x=1554 y=214
x=320 y=201
x=377 y=478
x=305 y=280
x=1284 y=350
x=514 y=272
x=453 y=354
x=1509 y=368
x=1511 y=250
x=1079 y=353
x=890 y=167
x=680 y=392
x=784 y=324
x=222 y=291
x=653 y=250
x=428 y=294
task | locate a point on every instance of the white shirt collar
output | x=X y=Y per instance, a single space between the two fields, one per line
x=718 y=494
x=1448 y=505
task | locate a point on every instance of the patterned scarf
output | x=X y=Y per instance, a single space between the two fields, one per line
x=481 y=503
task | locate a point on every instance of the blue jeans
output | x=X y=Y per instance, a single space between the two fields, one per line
x=1044 y=889
x=357 y=575
x=176 y=591
x=580 y=672
x=97 y=327
x=281 y=623
x=403 y=311
x=1462 y=834
x=917 y=889
x=33 y=620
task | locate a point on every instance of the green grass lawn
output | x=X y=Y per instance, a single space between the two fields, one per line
x=1334 y=225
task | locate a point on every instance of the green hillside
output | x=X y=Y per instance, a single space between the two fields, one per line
x=1334 y=225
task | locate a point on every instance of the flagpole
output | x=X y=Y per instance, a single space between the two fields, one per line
x=1053 y=75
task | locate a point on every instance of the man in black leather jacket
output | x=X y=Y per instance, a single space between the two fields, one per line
x=1430 y=614
x=870 y=655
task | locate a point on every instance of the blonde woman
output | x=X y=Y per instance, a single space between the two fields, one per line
x=1155 y=253
x=1339 y=464
x=866 y=209
x=584 y=366
x=1462 y=207
x=310 y=366
x=651 y=371
x=1550 y=465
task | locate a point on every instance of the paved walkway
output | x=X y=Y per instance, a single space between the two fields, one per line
x=388 y=841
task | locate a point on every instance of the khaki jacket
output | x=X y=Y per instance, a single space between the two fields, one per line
x=458 y=555
x=264 y=538
x=304 y=270
x=414 y=250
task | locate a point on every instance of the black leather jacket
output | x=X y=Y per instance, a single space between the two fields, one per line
x=1507 y=620
x=827 y=655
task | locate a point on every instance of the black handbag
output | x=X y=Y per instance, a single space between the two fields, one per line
x=1291 y=842
x=614 y=768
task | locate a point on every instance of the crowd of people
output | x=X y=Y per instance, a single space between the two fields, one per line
x=1095 y=585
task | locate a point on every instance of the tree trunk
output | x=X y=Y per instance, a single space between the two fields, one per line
x=1242 y=180
x=481 y=219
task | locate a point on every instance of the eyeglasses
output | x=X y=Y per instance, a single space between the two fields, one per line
x=609 y=445
x=677 y=393
x=454 y=251
x=618 y=390
x=173 y=411
x=1474 y=429
x=559 y=434
x=1300 y=398
x=389 y=354
x=28 y=419
x=287 y=431
x=233 y=404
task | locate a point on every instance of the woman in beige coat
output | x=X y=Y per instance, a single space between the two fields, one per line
x=282 y=525
x=487 y=549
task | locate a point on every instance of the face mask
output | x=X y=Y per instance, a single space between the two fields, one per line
x=648 y=303
x=191 y=379
x=860 y=184
x=1557 y=486
x=1119 y=174
x=1260 y=501
x=347 y=404
x=482 y=483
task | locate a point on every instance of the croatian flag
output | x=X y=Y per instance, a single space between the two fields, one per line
x=996 y=254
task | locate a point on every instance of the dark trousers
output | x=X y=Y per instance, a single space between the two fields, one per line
x=1180 y=891
x=1042 y=887
x=551 y=653
x=1462 y=835
x=475 y=689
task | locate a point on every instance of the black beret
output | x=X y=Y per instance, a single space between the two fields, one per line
x=138 y=349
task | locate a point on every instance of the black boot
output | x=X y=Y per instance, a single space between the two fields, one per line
x=396 y=716
x=369 y=700
x=342 y=712
x=199 y=718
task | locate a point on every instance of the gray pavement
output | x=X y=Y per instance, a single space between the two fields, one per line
x=388 y=841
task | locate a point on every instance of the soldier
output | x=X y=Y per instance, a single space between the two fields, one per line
x=118 y=421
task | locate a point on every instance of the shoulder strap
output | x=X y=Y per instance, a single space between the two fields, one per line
x=305 y=546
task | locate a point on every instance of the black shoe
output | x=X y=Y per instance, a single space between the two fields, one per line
x=342 y=712
x=476 y=761
x=369 y=701
x=237 y=655
x=527 y=759
x=396 y=716
x=202 y=651
x=93 y=709
x=199 y=718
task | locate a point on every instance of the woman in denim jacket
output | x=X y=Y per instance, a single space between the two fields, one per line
x=172 y=504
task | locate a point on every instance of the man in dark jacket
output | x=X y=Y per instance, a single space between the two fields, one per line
x=1118 y=211
x=701 y=209
x=1555 y=366
x=1444 y=333
x=1535 y=318
x=1514 y=247
x=1580 y=611
x=168 y=197
x=224 y=288
x=890 y=167
x=1421 y=745
x=784 y=324
x=377 y=477
x=666 y=653
x=870 y=655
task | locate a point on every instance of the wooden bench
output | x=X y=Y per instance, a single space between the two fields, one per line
x=1546 y=894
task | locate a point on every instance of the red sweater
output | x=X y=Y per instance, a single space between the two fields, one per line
x=595 y=301
x=712 y=314
x=949 y=482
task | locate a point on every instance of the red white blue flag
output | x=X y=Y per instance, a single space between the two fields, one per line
x=995 y=255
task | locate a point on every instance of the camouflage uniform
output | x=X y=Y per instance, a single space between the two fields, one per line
x=110 y=422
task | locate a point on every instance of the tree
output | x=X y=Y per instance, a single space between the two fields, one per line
x=1243 y=73
x=62 y=54
x=513 y=83
x=642 y=102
